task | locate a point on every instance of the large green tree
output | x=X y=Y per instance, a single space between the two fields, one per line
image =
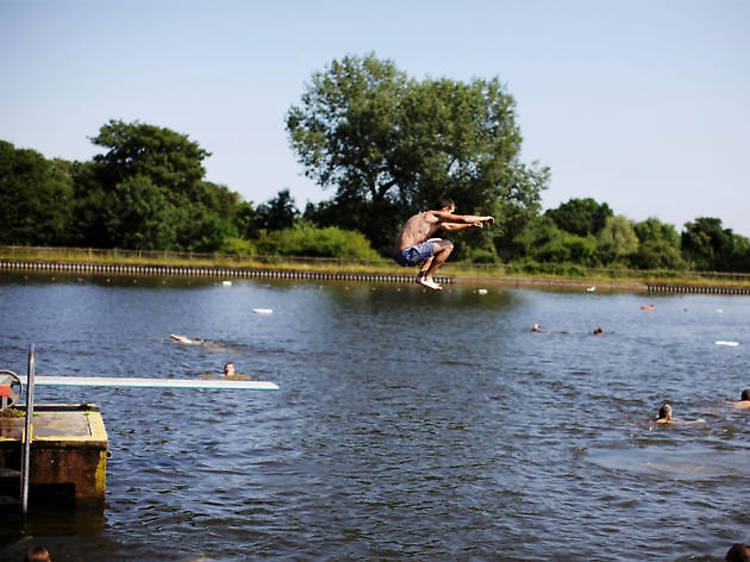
x=169 y=159
x=150 y=175
x=390 y=145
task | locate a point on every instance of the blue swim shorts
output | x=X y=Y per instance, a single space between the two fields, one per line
x=414 y=255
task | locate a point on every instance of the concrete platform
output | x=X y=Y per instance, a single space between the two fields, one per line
x=68 y=453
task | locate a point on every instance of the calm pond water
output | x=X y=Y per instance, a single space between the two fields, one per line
x=407 y=426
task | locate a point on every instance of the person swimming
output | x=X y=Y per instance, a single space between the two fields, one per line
x=665 y=416
x=183 y=339
x=744 y=401
x=231 y=374
x=739 y=552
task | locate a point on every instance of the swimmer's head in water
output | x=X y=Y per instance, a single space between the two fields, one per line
x=745 y=394
x=229 y=368
x=738 y=553
x=665 y=412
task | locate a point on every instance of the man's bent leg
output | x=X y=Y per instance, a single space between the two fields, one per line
x=442 y=250
x=425 y=267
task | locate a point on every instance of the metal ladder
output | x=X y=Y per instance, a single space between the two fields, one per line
x=6 y=400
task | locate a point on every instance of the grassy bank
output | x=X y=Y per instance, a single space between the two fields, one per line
x=506 y=274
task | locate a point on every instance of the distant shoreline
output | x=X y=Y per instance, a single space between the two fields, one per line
x=383 y=274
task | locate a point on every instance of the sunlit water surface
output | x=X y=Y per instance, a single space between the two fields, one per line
x=407 y=425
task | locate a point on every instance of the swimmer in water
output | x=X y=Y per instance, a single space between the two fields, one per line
x=738 y=553
x=744 y=401
x=598 y=331
x=665 y=416
x=537 y=328
x=231 y=374
x=183 y=339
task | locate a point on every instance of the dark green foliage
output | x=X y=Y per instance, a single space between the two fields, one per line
x=148 y=192
x=581 y=216
x=36 y=197
x=238 y=246
x=138 y=215
x=653 y=230
x=168 y=158
x=657 y=254
x=659 y=246
x=278 y=213
x=708 y=246
x=617 y=241
x=307 y=240
x=545 y=242
x=375 y=218
x=245 y=220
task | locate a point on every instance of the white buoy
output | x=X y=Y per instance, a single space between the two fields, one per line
x=482 y=291
x=226 y=283
x=262 y=311
x=728 y=343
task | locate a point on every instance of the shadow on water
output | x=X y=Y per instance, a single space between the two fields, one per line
x=53 y=526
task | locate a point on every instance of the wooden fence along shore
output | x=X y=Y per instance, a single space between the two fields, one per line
x=250 y=273
x=221 y=272
x=696 y=289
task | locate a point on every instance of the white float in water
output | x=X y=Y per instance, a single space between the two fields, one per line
x=262 y=311
x=482 y=291
x=728 y=343
x=226 y=283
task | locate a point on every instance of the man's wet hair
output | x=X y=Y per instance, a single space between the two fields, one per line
x=745 y=394
x=444 y=202
x=664 y=411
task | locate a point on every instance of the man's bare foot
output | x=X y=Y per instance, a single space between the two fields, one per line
x=428 y=282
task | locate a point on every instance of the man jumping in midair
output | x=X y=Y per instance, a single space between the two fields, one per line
x=414 y=245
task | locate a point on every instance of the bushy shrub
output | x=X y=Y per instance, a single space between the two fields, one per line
x=238 y=247
x=532 y=267
x=483 y=256
x=306 y=240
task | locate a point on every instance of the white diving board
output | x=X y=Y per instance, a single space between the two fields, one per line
x=123 y=382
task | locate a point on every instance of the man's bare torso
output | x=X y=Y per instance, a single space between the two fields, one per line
x=417 y=229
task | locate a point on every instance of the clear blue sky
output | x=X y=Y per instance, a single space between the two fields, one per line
x=643 y=104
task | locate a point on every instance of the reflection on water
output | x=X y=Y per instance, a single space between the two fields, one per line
x=408 y=424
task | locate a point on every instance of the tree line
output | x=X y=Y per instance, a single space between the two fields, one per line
x=386 y=144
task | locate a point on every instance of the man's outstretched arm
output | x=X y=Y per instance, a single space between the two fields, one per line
x=454 y=226
x=472 y=220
